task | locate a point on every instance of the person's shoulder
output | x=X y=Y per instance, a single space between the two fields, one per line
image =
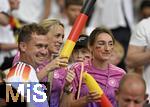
x=19 y=67
x=144 y=22
x=117 y=69
x=4 y=6
x=24 y=68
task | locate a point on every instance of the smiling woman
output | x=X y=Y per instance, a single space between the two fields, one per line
x=101 y=43
x=55 y=34
x=46 y=70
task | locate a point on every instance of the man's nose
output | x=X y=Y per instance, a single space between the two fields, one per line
x=131 y=104
x=44 y=51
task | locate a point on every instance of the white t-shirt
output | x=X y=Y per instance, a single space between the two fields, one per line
x=30 y=10
x=6 y=34
x=141 y=37
x=4 y=6
x=22 y=72
x=110 y=13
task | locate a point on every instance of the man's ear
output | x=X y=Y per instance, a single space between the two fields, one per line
x=22 y=46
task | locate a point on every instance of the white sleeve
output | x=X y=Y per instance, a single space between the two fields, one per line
x=33 y=76
x=4 y=6
x=139 y=36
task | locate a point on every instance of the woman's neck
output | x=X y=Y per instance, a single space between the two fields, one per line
x=50 y=57
x=100 y=64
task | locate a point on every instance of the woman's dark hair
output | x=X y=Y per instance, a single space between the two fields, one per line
x=98 y=31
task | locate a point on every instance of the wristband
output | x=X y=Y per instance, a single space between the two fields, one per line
x=68 y=89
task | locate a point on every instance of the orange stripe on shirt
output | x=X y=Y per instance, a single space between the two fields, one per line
x=19 y=72
x=26 y=72
x=11 y=72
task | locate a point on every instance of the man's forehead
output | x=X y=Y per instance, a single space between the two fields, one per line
x=39 y=38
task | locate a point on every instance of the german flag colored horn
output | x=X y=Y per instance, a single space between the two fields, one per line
x=77 y=29
x=93 y=86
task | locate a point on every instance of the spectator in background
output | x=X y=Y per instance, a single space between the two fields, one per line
x=4 y=20
x=7 y=42
x=73 y=8
x=139 y=50
x=144 y=12
x=131 y=91
x=117 y=54
x=27 y=13
x=144 y=9
x=58 y=11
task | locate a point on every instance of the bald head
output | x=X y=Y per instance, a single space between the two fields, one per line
x=132 y=91
x=132 y=80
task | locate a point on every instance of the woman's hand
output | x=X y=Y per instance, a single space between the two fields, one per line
x=93 y=97
x=57 y=63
